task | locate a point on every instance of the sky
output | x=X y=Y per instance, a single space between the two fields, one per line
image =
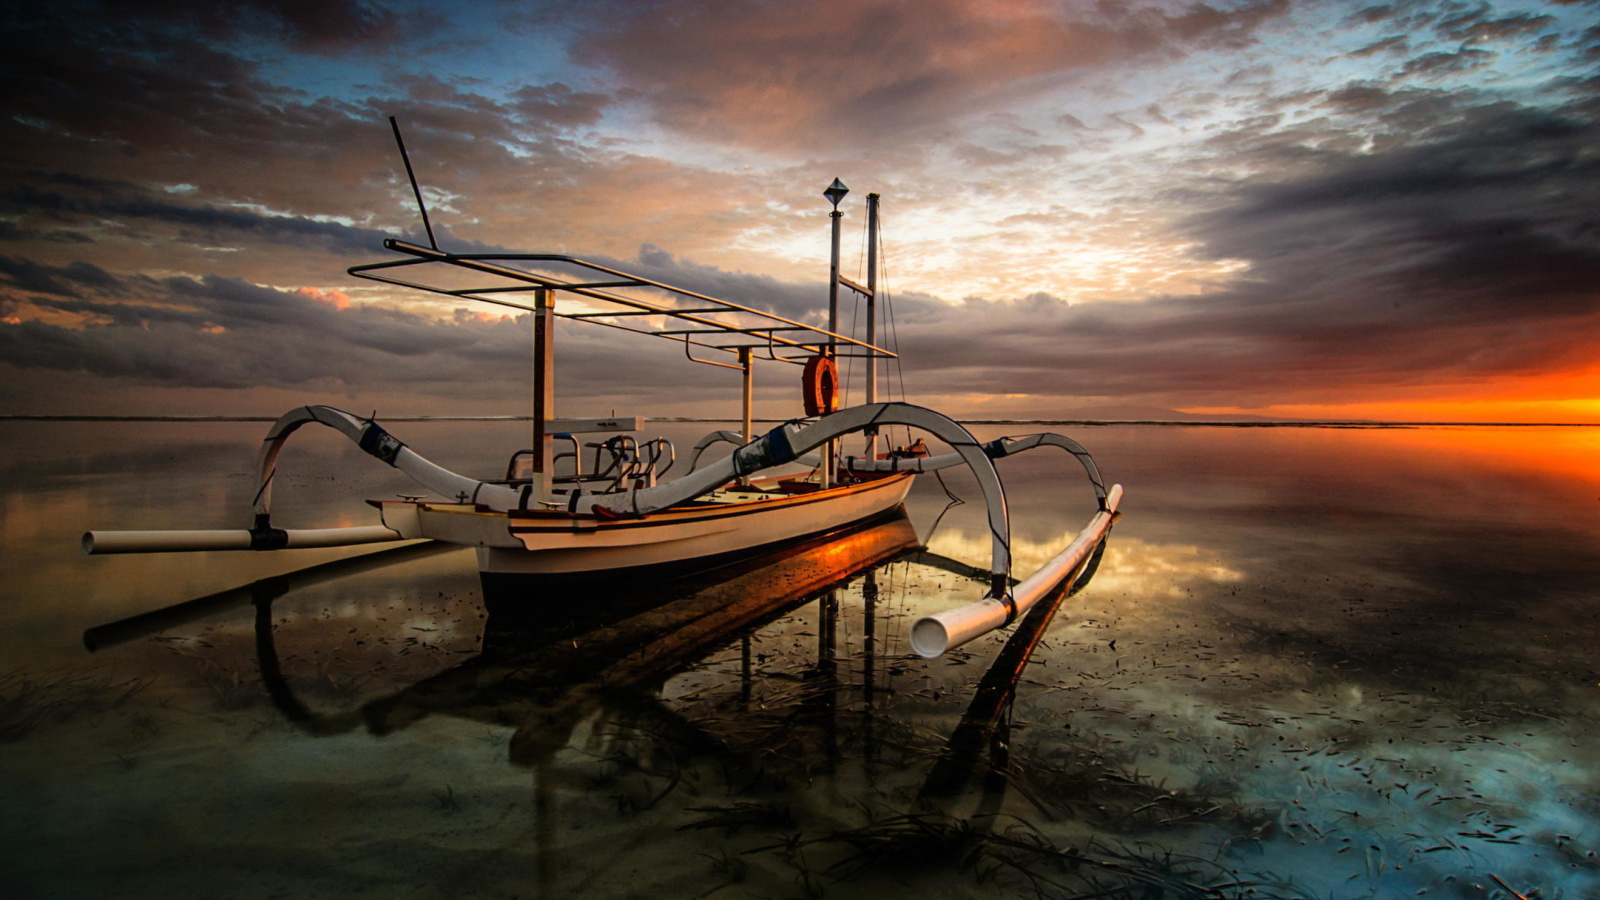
x=1257 y=207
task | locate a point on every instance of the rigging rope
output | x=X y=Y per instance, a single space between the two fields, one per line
x=888 y=317
x=855 y=317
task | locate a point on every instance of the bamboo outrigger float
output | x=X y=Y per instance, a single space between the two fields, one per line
x=622 y=513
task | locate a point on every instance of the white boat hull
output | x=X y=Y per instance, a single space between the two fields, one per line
x=553 y=542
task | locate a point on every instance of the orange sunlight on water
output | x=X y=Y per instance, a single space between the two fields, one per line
x=1575 y=411
x=1568 y=454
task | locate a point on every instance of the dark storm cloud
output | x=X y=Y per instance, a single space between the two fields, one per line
x=317 y=26
x=137 y=105
x=12 y=232
x=26 y=275
x=204 y=222
x=128 y=100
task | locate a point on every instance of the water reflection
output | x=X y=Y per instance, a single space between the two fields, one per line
x=1313 y=663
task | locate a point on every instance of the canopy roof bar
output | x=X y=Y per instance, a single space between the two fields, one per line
x=755 y=331
x=633 y=312
x=761 y=329
x=863 y=291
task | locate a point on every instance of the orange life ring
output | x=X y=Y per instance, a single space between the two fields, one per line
x=821 y=386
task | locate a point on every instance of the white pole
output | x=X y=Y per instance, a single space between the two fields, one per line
x=102 y=542
x=933 y=635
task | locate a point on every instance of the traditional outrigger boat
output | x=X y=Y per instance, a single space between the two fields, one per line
x=551 y=515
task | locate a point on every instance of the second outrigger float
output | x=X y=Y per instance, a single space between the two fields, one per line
x=553 y=515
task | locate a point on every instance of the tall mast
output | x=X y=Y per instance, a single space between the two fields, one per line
x=835 y=192
x=872 y=316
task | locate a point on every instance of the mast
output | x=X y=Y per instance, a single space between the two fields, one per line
x=835 y=192
x=872 y=316
x=412 y=175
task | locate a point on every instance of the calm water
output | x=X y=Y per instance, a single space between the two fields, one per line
x=1312 y=663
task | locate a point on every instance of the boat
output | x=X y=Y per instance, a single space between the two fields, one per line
x=551 y=515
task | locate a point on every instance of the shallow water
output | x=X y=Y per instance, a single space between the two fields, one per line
x=1313 y=662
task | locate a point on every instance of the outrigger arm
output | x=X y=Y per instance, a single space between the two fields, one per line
x=377 y=442
x=788 y=441
x=998 y=448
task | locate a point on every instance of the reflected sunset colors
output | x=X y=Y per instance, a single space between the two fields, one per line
x=1311 y=662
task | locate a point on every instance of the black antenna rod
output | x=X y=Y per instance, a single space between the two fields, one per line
x=413 y=176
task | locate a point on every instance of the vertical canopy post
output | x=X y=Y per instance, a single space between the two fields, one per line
x=544 y=383
x=749 y=394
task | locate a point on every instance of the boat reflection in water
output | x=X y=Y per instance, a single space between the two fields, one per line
x=618 y=643
x=753 y=711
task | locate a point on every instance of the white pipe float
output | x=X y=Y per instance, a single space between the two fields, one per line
x=933 y=635
x=101 y=542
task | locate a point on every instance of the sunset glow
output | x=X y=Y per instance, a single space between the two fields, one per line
x=1313 y=210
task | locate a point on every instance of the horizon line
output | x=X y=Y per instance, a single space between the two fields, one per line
x=1225 y=423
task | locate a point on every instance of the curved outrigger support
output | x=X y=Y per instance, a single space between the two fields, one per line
x=715 y=437
x=998 y=448
x=786 y=444
x=379 y=443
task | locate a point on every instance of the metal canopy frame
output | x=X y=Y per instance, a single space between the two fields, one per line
x=737 y=329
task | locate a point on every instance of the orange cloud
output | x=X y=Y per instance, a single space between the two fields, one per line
x=336 y=298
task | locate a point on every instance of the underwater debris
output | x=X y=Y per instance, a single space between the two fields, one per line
x=27 y=703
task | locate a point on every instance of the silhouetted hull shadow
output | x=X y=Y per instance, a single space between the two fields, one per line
x=542 y=675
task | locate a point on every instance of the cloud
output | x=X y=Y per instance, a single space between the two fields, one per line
x=175 y=203
x=315 y=26
x=558 y=105
x=83 y=202
x=1440 y=64
x=148 y=104
x=26 y=275
x=1395 y=43
x=222 y=332
x=1468 y=257
x=809 y=76
x=336 y=299
x=1479 y=25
